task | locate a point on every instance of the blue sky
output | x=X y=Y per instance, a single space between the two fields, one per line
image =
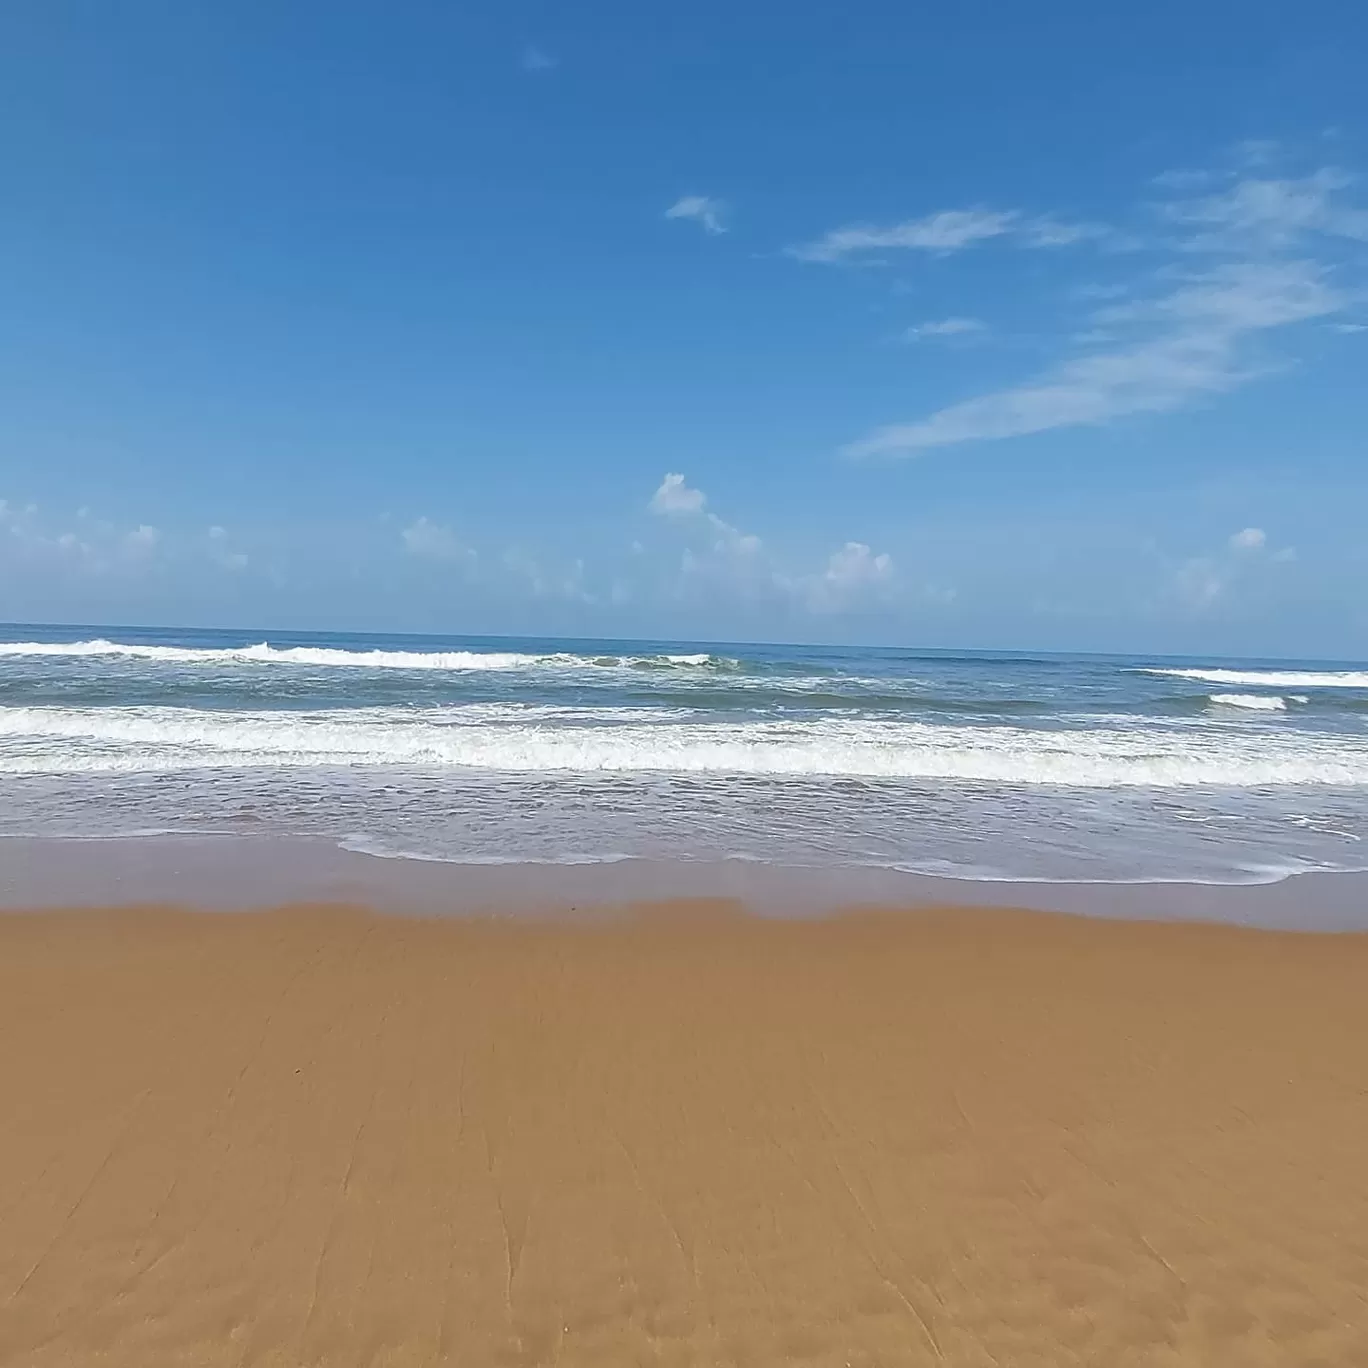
x=977 y=325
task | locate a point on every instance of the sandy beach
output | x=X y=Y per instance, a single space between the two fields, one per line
x=684 y=1135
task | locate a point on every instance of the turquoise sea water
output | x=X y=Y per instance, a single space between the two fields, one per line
x=988 y=765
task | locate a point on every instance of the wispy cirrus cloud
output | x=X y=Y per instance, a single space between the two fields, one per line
x=1183 y=334
x=1051 y=232
x=1256 y=214
x=950 y=230
x=1195 y=350
x=707 y=212
x=944 y=327
x=535 y=59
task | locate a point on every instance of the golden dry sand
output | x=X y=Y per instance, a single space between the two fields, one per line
x=321 y=1137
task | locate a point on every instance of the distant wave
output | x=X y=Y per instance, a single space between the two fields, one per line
x=332 y=657
x=1254 y=702
x=1273 y=679
x=48 y=740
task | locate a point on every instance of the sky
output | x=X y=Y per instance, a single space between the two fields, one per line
x=980 y=325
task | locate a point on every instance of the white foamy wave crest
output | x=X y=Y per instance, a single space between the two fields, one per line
x=71 y=740
x=1253 y=702
x=1272 y=679
x=332 y=657
x=264 y=654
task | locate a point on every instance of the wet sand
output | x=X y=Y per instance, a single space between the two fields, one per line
x=240 y=873
x=681 y=1136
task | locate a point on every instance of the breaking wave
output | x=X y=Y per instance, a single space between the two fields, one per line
x=1252 y=702
x=1272 y=679
x=328 y=657
x=52 y=740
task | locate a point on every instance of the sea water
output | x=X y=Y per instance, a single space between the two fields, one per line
x=981 y=765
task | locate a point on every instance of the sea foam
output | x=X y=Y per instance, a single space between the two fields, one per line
x=1272 y=679
x=337 y=658
x=48 y=740
x=1251 y=702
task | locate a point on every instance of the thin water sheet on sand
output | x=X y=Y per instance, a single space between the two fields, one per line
x=236 y=873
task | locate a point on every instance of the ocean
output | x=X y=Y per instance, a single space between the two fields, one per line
x=1004 y=766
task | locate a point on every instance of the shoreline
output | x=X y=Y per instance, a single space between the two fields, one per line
x=241 y=873
x=936 y=1137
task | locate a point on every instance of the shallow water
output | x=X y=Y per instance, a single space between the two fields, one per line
x=992 y=766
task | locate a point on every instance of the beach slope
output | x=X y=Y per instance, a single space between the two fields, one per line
x=319 y=1136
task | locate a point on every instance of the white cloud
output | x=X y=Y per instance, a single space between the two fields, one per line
x=675 y=497
x=537 y=59
x=731 y=539
x=854 y=574
x=546 y=583
x=1152 y=377
x=1183 y=180
x=433 y=541
x=1256 y=151
x=14 y=516
x=855 y=564
x=1179 y=337
x=1051 y=232
x=1097 y=290
x=718 y=557
x=1200 y=582
x=1244 y=563
x=1191 y=346
x=948 y=231
x=721 y=560
x=28 y=536
x=702 y=209
x=944 y=327
x=95 y=546
x=220 y=552
x=1239 y=297
x=1271 y=213
x=142 y=540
